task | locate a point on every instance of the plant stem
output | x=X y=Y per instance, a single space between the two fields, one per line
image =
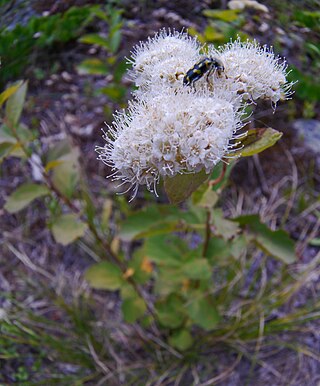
x=112 y=256
x=220 y=178
x=207 y=234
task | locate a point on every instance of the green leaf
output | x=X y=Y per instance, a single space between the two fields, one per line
x=211 y=34
x=168 y=281
x=197 y=269
x=275 y=243
x=150 y=221
x=228 y=15
x=181 y=186
x=9 y=91
x=5 y=149
x=93 y=67
x=205 y=197
x=99 y=40
x=169 y=250
x=65 y=174
x=114 y=91
x=226 y=228
x=133 y=308
x=105 y=275
x=15 y=104
x=306 y=88
x=203 y=312
x=141 y=266
x=218 y=250
x=23 y=195
x=67 y=228
x=258 y=140
x=170 y=311
x=181 y=340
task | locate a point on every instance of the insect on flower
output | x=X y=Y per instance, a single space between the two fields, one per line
x=207 y=64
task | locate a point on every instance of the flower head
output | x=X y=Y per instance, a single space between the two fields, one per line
x=173 y=126
x=163 y=60
x=166 y=135
x=253 y=71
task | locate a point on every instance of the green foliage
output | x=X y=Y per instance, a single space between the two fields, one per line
x=258 y=140
x=191 y=261
x=19 y=47
x=109 y=43
x=180 y=187
x=105 y=275
x=222 y=25
x=67 y=228
x=306 y=88
x=62 y=163
x=24 y=195
x=276 y=243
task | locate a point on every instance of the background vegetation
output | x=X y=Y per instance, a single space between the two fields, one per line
x=221 y=289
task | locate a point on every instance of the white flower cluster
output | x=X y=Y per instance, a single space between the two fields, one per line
x=253 y=71
x=173 y=128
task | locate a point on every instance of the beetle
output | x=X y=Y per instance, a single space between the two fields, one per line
x=207 y=64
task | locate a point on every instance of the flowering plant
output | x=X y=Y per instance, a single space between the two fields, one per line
x=172 y=129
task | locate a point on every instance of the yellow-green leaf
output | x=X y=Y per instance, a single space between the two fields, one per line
x=9 y=91
x=23 y=195
x=258 y=140
x=92 y=67
x=228 y=15
x=181 y=340
x=105 y=275
x=68 y=228
x=133 y=308
x=63 y=160
x=15 y=104
x=97 y=39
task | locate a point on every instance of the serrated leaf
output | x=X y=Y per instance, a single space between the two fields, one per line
x=9 y=91
x=276 y=243
x=181 y=186
x=105 y=275
x=133 y=308
x=258 y=140
x=15 y=104
x=203 y=312
x=24 y=195
x=181 y=340
x=67 y=228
